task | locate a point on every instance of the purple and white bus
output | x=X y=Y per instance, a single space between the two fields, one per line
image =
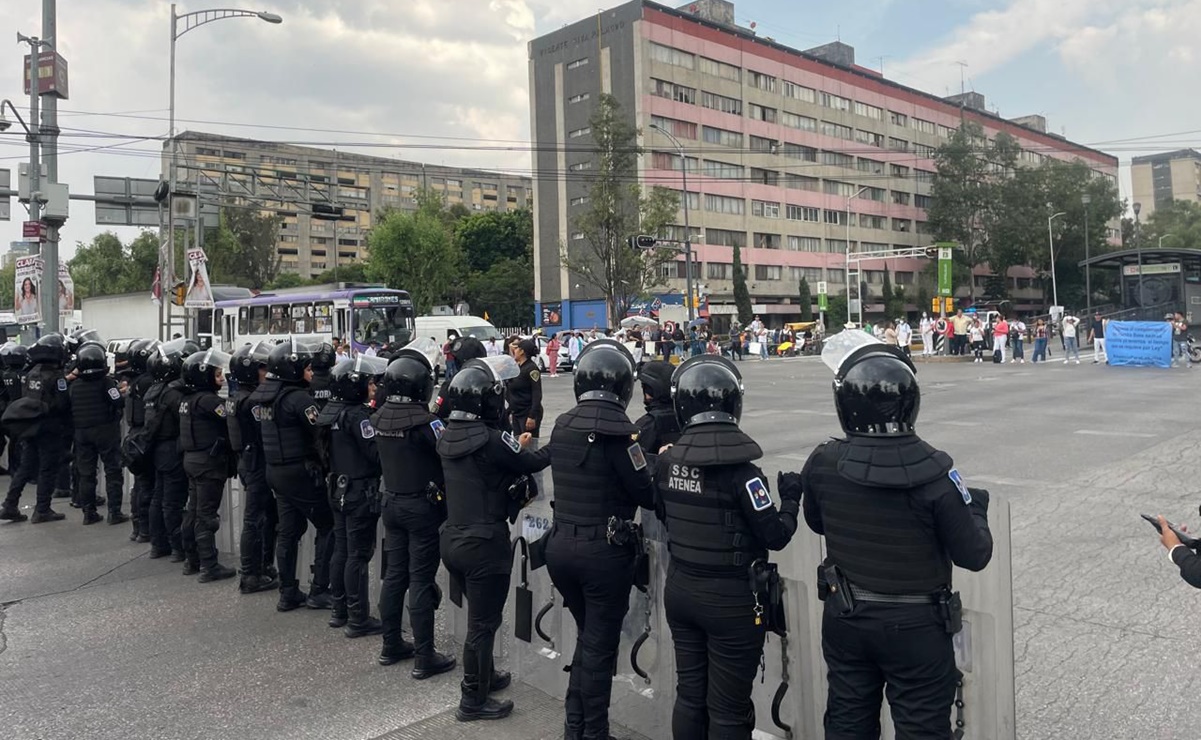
x=360 y=314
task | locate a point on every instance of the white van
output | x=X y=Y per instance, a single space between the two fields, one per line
x=441 y=328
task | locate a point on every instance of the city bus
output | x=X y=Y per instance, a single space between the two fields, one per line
x=360 y=314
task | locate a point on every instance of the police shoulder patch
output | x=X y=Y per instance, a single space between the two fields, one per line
x=760 y=496
x=534 y=376
x=366 y=430
x=636 y=457
x=114 y=394
x=438 y=428
x=311 y=413
x=256 y=413
x=957 y=479
x=510 y=441
x=62 y=384
x=220 y=410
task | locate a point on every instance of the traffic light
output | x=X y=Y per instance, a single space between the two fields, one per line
x=178 y=292
x=931 y=253
x=642 y=241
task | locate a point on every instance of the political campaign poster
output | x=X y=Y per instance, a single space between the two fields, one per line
x=66 y=294
x=200 y=291
x=28 y=287
x=1139 y=343
x=552 y=314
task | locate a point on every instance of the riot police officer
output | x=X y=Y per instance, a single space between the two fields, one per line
x=46 y=411
x=721 y=521
x=658 y=427
x=480 y=463
x=354 y=491
x=13 y=359
x=463 y=350
x=525 y=391
x=295 y=471
x=896 y=515
x=414 y=506
x=163 y=401
x=601 y=477
x=324 y=358
x=142 y=492
x=207 y=458
x=96 y=406
x=248 y=366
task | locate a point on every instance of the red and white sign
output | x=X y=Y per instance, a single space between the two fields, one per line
x=34 y=230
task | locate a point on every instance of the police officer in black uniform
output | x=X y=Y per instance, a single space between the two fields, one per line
x=414 y=506
x=480 y=463
x=162 y=401
x=248 y=366
x=464 y=350
x=601 y=477
x=13 y=360
x=142 y=492
x=96 y=407
x=525 y=391
x=354 y=491
x=658 y=426
x=295 y=471
x=896 y=515
x=721 y=522
x=207 y=461
x=6 y=348
x=324 y=358
x=44 y=393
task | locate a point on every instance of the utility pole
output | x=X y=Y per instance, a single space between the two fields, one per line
x=48 y=130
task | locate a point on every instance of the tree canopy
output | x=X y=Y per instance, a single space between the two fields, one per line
x=415 y=252
x=105 y=266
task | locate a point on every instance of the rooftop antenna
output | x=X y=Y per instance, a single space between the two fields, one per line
x=881 y=60
x=962 y=77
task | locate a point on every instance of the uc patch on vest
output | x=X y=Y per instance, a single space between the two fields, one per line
x=637 y=459
x=760 y=496
x=114 y=394
x=511 y=441
x=957 y=479
x=311 y=414
x=366 y=429
x=62 y=384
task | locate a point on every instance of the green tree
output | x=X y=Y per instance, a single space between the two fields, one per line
x=923 y=298
x=287 y=280
x=105 y=266
x=355 y=272
x=244 y=249
x=142 y=261
x=415 y=252
x=887 y=297
x=8 y=284
x=505 y=292
x=836 y=315
x=805 y=299
x=487 y=238
x=1178 y=222
x=742 y=296
x=618 y=209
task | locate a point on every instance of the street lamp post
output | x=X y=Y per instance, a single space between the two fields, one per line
x=1138 y=246
x=1051 y=242
x=687 y=226
x=847 y=261
x=1088 y=275
x=1165 y=236
x=181 y=24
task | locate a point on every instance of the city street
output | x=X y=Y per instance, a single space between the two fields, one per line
x=97 y=641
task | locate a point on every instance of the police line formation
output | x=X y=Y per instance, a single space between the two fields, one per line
x=341 y=444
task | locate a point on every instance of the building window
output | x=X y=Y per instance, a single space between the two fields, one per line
x=767 y=272
x=799 y=92
x=722 y=170
x=873 y=277
x=577 y=63
x=798 y=151
x=765 y=209
x=898 y=170
x=925 y=127
x=804 y=244
x=794 y=181
x=722 y=204
x=838 y=159
x=761 y=81
x=898 y=119
x=838 y=131
x=867 y=221
x=804 y=123
x=924 y=177
x=923 y=151
x=580 y=166
x=767 y=241
x=867 y=137
x=719 y=270
x=671 y=161
x=577 y=133
x=713 y=101
x=764 y=177
x=681 y=129
x=762 y=113
x=578 y=98
x=668 y=55
x=803 y=213
x=760 y=144
x=838 y=218
x=903 y=278
x=721 y=136
x=897 y=145
x=725 y=238
x=902 y=224
x=869 y=111
x=945 y=132
x=921 y=201
x=672 y=91
x=900 y=198
x=837 y=246
x=842 y=189
x=719 y=69
x=876 y=194
x=694 y=202
x=922 y=227
x=829 y=100
x=810 y=274
x=870 y=165
x=204 y=151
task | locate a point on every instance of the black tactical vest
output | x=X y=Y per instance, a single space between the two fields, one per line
x=584 y=444
x=407 y=461
x=319 y=388
x=199 y=431
x=166 y=409
x=476 y=489
x=346 y=456
x=93 y=402
x=135 y=401
x=240 y=419
x=284 y=428
x=707 y=532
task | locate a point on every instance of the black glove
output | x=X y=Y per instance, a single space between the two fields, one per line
x=789 y=486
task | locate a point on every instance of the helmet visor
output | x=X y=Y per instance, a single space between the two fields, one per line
x=367 y=365
x=260 y=352
x=845 y=343
x=503 y=367
x=306 y=345
x=427 y=348
x=176 y=347
x=88 y=335
x=213 y=358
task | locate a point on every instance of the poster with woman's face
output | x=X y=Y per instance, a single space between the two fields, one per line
x=200 y=291
x=28 y=287
x=66 y=291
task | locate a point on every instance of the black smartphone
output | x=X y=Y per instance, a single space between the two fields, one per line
x=1184 y=537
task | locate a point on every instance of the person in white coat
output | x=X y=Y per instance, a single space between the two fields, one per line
x=926 y=327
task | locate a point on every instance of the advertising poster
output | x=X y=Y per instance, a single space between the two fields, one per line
x=66 y=294
x=552 y=314
x=200 y=291
x=28 y=287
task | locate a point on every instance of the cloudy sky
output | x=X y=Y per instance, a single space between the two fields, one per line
x=434 y=80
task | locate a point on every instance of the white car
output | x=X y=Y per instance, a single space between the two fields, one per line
x=543 y=360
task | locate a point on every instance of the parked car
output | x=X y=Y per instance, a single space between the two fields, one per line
x=544 y=359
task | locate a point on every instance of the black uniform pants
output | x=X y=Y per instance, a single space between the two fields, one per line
x=25 y=472
x=480 y=557
x=595 y=579
x=169 y=498
x=718 y=647
x=411 y=564
x=301 y=498
x=51 y=448
x=99 y=443
x=201 y=519
x=354 y=546
x=141 y=496
x=900 y=649
x=14 y=454
x=259 y=515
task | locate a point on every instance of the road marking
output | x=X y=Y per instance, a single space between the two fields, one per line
x=1102 y=433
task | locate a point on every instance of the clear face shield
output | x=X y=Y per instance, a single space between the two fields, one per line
x=367 y=365
x=504 y=368
x=845 y=343
x=260 y=352
x=427 y=348
x=213 y=358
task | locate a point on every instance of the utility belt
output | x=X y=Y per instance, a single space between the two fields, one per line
x=842 y=595
x=768 y=591
x=340 y=486
x=432 y=493
x=617 y=532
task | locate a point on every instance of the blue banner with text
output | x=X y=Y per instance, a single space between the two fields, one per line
x=1139 y=343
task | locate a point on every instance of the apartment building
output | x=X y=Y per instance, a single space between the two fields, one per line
x=791 y=155
x=1159 y=179
x=289 y=180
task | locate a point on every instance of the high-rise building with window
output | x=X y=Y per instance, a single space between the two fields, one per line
x=790 y=154
x=1159 y=179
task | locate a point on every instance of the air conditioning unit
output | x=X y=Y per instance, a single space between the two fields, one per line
x=183 y=207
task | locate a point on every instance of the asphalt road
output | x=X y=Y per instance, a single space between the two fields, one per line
x=97 y=641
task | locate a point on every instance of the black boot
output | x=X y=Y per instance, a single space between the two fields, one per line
x=91 y=517
x=133 y=534
x=360 y=622
x=116 y=517
x=500 y=681
x=12 y=514
x=428 y=666
x=337 y=619
x=177 y=556
x=217 y=572
x=290 y=597
x=319 y=598
x=49 y=515
x=144 y=537
x=393 y=653
x=470 y=709
x=255 y=584
x=156 y=553
x=191 y=566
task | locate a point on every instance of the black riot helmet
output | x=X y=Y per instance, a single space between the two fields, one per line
x=465 y=349
x=170 y=357
x=13 y=355
x=79 y=337
x=289 y=359
x=51 y=349
x=656 y=381
x=605 y=371
x=875 y=386
x=245 y=362
x=410 y=375
x=205 y=370
x=139 y=352
x=121 y=355
x=324 y=356
x=350 y=380
x=477 y=392
x=707 y=389
x=91 y=361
